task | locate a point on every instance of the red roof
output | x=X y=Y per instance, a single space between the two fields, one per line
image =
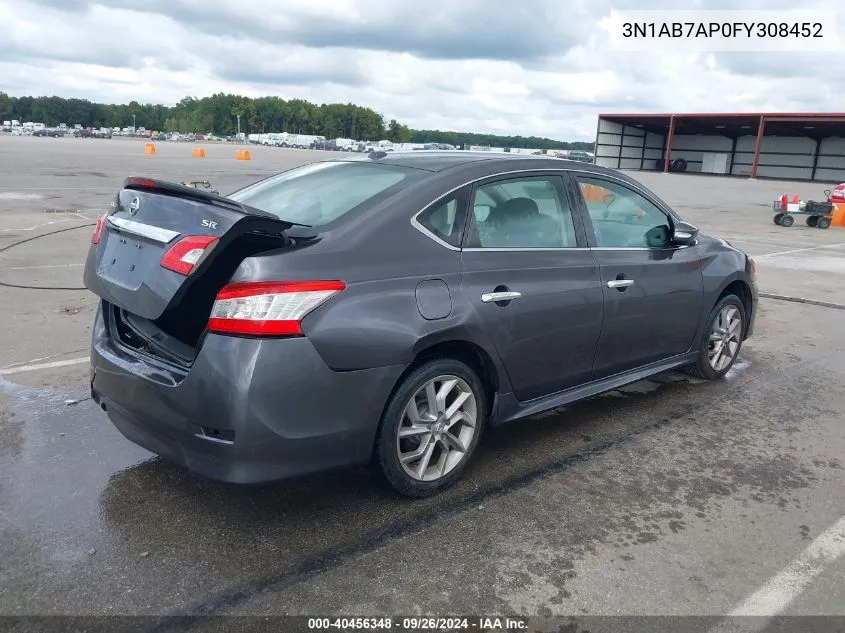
x=725 y=115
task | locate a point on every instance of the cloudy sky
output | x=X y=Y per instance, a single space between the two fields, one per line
x=543 y=67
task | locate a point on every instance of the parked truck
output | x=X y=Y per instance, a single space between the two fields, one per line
x=345 y=145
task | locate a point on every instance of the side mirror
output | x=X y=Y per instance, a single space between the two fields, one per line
x=684 y=234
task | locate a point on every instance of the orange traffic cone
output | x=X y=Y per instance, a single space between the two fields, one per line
x=838 y=216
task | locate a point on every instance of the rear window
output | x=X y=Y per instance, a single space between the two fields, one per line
x=320 y=193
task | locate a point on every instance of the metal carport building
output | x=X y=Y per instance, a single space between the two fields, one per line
x=790 y=146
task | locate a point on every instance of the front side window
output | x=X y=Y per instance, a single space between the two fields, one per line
x=623 y=218
x=322 y=192
x=526 y=213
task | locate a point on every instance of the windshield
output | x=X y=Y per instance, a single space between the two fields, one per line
x=319 y=193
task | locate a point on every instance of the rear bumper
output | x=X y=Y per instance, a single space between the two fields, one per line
x=249 y=410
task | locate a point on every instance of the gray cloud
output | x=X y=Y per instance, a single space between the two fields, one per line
x=779 y=64
x=433 y=29
x=468 y=30
x=115 y=57
x=530 y=32
x=71 y=6
x=82 y=36
x=535 y=67
x=112 y=54
x=279 y=71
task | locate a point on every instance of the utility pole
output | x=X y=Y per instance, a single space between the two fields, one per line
x=133 y=123
x=239 y=126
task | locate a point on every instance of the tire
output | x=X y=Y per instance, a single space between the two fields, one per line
x=813 y=220
x=787 y=220
x=389 y=446
x=823 y=223
x=778 y=217
x=703 y=367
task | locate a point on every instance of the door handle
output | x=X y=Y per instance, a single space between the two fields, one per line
x=620 y=283
x=495 y=297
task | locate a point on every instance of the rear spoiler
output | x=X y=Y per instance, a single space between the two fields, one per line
x=167 y=188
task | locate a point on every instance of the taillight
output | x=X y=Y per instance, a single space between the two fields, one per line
x=184 y=255
x=268 y=308
x=98 y=230
x=141 y=183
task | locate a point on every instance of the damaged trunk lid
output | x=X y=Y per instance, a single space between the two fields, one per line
x=162 y=243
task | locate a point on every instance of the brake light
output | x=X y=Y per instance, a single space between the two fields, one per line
x=98 y=230
x=184 y=255
x=143 y=183
x=268 y=308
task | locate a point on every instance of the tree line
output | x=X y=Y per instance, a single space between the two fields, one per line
x=221 y=114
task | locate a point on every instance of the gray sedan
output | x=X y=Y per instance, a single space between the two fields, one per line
x=390 y=307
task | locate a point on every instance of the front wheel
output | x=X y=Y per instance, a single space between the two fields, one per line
x=787 y=220
x=431 y=427
x=722 y=340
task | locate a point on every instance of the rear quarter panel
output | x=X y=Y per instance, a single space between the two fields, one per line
x=382 y=258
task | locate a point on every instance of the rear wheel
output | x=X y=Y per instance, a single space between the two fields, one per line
x=787 y=220
x=778 y=217
x=823 y=223
x=813 y=220
x=722 y=340
x=431 y=427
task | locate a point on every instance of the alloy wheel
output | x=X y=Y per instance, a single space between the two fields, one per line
x=725 y=338
x=437 y=428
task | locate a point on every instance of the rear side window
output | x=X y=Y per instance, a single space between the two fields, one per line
x=320 y=193
x=446 y=220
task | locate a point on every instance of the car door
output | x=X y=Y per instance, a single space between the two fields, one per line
x=653 y=290
x=533 y=281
